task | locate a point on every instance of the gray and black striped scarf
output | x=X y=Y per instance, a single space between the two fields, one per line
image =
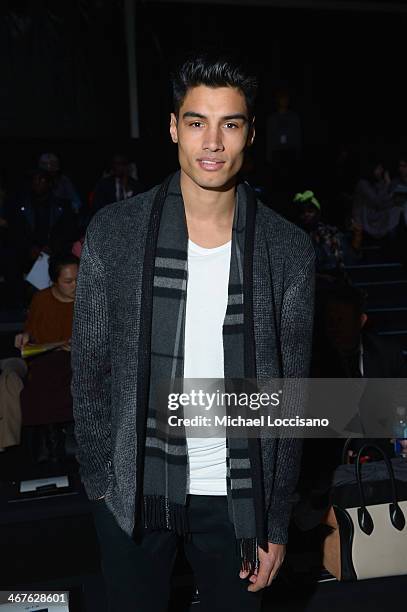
x=163 y=505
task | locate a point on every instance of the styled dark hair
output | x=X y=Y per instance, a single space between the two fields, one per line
x=58 y=261
x=213 y=70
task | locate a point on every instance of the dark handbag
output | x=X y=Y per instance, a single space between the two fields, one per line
x=368 y=519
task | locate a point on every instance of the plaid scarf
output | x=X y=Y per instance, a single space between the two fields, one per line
x=163 y=503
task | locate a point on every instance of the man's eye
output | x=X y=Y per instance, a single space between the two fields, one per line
x=196 y=124
x=231 y=125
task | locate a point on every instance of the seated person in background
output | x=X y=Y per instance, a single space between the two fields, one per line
x=344 y=348
x=62 y=186
x=38 y=220
x=361 y=351
x=373 y=206
x=51 y=310
x=119 y=185
x=328 y=241
x=46 y=397
x=348 y=349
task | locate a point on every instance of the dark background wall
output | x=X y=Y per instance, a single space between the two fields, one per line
x=63 y=84
x=64 y=78
x=344 y=69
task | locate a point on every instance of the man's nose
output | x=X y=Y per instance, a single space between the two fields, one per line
x=213 y=140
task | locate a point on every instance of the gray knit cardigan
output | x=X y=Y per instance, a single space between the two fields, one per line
x=105 y=354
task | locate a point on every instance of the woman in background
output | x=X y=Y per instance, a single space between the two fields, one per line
x=51 y=310
x=46 y=396
x=373 y=206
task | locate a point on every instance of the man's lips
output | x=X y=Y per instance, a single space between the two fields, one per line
x=210 y=164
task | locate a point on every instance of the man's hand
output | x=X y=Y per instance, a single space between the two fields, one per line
x=21 y=340
x=270 y=563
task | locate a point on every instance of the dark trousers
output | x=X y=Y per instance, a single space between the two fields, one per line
x=138 y=575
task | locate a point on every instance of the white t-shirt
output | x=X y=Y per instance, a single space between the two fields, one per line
x=207 y=298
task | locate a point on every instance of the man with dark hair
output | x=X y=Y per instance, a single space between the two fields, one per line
x=198 y=280
x=36 y=220
x=343 y=318
x=213 y=72
x=284 y=142
x=352 y=350
x=345 y=347
x=62 y=186
x=118 y=186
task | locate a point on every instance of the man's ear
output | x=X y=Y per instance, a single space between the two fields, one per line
x=174 y=128
x=363 y=319
x=252 y=133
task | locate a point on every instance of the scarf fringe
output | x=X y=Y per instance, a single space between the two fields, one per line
x=248 y=554
x=160 y=513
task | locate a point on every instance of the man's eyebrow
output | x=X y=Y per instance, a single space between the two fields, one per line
x=235 y=116
x=193 y=114
x=225 y=118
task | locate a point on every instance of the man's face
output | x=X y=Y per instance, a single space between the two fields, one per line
x=343 y=325
x=403 y=170
x=212 y=132
x=40 y=185
x=120 y=167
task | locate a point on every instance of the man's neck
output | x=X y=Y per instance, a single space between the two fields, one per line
x=209 y=213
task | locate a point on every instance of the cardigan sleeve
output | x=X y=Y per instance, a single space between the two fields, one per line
x=91 y=376
x=296 y=342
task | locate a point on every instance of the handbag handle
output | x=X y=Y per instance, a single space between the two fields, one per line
x=396 y=514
